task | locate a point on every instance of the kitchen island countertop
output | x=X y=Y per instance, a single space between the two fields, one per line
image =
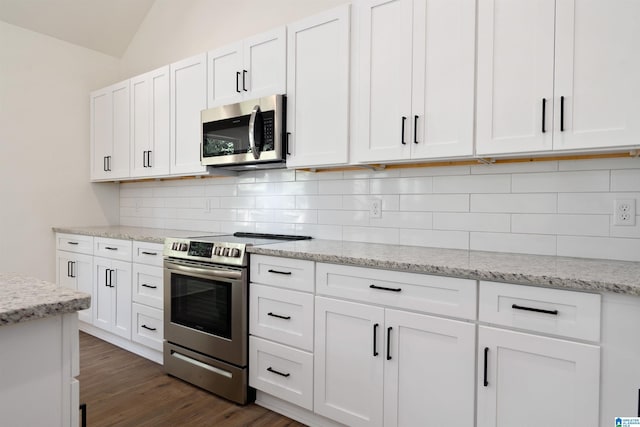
x=24 y=298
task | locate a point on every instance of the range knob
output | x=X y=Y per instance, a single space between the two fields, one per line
x=183 y=247
x=174 y=246
x=217 y=250
x=235 y=253
x=225 y=252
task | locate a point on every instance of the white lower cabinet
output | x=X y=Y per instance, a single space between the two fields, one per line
x=74 y=271
x=545 y=381
x=147 y=327
x=377 y=366
x=112 y=296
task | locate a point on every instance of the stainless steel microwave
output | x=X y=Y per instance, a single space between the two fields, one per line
x=249 y=133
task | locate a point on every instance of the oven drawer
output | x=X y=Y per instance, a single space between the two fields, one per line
x=553 y=311
x=112 y=248
x=420 y=292
x=148 y=253
x=147 y=326
x=281 y=315
x=148 y=286
x=282 y=371
x=288 y=273
x=74 y=243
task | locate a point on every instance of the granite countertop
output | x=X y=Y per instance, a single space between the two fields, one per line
x=141 y=234
x=594 y=275
x=25 y=298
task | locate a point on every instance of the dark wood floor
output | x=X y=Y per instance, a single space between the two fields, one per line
x=122 y=389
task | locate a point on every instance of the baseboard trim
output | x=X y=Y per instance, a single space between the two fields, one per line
x=292 y=411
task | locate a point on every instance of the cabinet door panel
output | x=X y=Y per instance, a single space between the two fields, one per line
x=224 y=85
x=119 y=162
x=265 y=59
x=385 y=80
x=140 y=129
x=443 y=78
x=347 y=375
x=83 y=270
x=430 y=375
x=102 y=301
x=546 y=381
x=160 y=115
x=597 y=73
x=64 y=272
x=101 y=132
x=515 y=72
x=121 y=299
x=318 y=89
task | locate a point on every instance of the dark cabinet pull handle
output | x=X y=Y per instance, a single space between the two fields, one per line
x=73 y=266
x=111 y=248
x=104 y=163
x=244 y=74
x=72 y=243
x=404 y=119
x=111 y=278
x=237 y=81
x=486 y=353
x=287 y=143
x=108 y=163
x=278 y=316
x=69 y=268
x=149 y=253
x=562 y=114
x=149 y=286
x=375 y=339
x=544 y=114
x=149 y=158
x=287 y=273
x=270 y=369
x=144 y=159
x=537 y=310
x=382 y=288
x=106 y=277
x=146 y=327
x=415 y=129
x=389 y=342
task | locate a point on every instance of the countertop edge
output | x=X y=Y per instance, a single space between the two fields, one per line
x=44 y=310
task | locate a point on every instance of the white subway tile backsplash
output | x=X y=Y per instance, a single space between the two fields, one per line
x=275 y=202
x=591 y=203
x=561 y=182
x=357 y=202
x=435 y=202
x=297 y=188
x=343 y=217
x=595 y=164
x=514 y=203
x=371 y=235
x=224 y=190
x=599 y=247
x=627 y=231
x=435 y=171
x=318 y=202
x=275 y=175
x=578 y=225
x=625 y=180
x=435 y=238
x=317 y=176
x=275 y=228
x=471 y=221
x=294 y=216
x=237 y=202
x=366 y=173
x=510 y=242
x=411 y=185
x=257 y=189
x=353 y=186
x=472 y=184
x=391 y=219
x=179 y=191
x=320 y=231
x=518 y=167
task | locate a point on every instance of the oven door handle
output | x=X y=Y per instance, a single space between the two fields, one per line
x=212 y=272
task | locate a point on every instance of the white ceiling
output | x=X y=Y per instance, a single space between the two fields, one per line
x=103 y=25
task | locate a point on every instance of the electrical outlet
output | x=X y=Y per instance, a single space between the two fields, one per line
x=624 y=212
x=375 y=208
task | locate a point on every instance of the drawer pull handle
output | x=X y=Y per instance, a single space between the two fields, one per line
x=278 y=316
x=389 y=342
x=382 y=288
x=147 y=327
x=270 y=369
x=72 y=243
x=537 y=310
x=149 y=253
x=149 y=286
x=287 y=273
x=486 y=353
x=111 y=248
x=375 y=339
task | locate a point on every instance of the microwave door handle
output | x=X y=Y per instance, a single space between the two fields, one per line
x=252 y=132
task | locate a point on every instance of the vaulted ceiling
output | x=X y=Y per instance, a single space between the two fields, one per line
x=103 y=25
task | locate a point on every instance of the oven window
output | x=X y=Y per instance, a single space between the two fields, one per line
x=201 y=304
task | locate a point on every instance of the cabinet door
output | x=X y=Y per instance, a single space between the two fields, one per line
x=150 y=115
x=102 y=294
x=443 y=78
x=100 y=132
x=515 y=76
x=265 y=64
x=119 y=161
x=121 y=297
x=188 y=99
x=384 y=105
x=597 y=69
x=429 y=371
x=545 y=381
x=64 y=270
x=82 y=269
x=318 y=89
x=348 y=367
x=224 y=75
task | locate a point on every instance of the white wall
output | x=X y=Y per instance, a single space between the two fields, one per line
x=44 y=146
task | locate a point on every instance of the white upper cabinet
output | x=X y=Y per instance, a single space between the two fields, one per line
x=415 y=94
x=150 y=133
x=188 y=99
x=252 y=68
x=318 y=89
x=109 y=132
x=556 y=75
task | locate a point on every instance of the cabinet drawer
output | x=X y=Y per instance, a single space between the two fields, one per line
x=112 y=248
x=282 y=371
x=74 y=243
x=147 y=326
x=281 y=315
x=421 y=292
x=148 y=285
x=553 y=311
x=289 y=273
x=147 y=253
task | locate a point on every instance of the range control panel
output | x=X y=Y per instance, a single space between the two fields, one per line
x=214 y=252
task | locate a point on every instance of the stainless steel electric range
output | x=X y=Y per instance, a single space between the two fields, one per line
x=206 y=294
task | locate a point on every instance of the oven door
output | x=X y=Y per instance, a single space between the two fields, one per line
x=206 y=309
